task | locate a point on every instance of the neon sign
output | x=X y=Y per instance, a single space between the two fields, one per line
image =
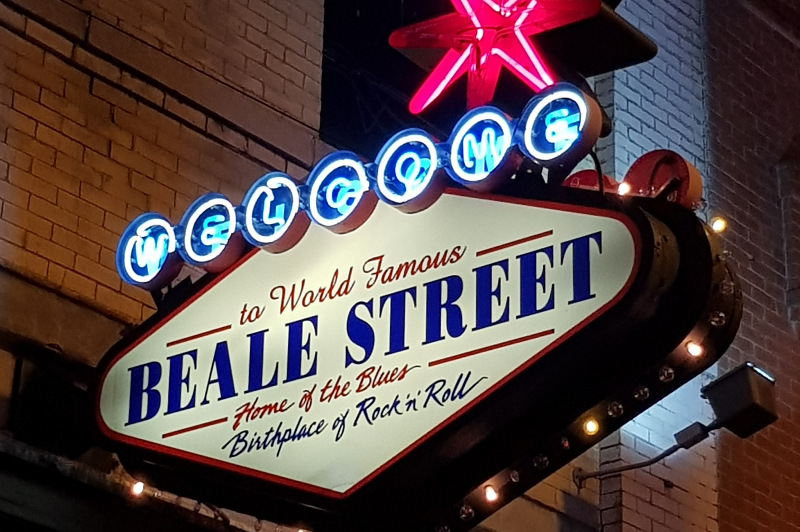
x=407 y=164
x=271 y=205
x=144 y=248
x=207 y=226
x=483 y=36
x=553 y=124
x=558 y=126
x=480 y=143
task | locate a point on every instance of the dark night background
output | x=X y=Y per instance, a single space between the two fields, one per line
x=367 y=84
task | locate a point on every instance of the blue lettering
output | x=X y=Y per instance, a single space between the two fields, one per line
x=256 y=365
x=486 y=294
x=562 y=128
x=215 y=231
x=300 y=346
x=335 y=189
x=482 y=157
x=140 y=390
x=434 y=306
x=360 y=333
x=531 y=280
x=178 y=379
x=581 y=282
x=150 y=252
x=221 y=365
x=397 y=318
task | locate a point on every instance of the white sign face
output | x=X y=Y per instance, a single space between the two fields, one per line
x=321 y=366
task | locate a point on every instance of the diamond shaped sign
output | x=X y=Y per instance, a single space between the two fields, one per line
x=320 y=367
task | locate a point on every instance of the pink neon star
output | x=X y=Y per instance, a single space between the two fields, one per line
x=483 y=36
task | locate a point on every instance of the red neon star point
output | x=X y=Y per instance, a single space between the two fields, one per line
x=484 y=35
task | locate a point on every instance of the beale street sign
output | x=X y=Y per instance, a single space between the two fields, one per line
x=374 y=348
x=382 y=335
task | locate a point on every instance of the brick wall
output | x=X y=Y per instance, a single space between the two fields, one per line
x=271 y=49
x=755 y=148
x=99 y=124
x=723 y=93
x=661 y=104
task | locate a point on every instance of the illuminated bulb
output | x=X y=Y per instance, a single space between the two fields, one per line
x=624 y=189
x=591 y=427
x=491 y=493
x=718 y=225
x=695 y=349
x=137 y=488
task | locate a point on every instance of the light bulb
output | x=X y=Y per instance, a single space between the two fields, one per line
x=137 y=488
x=491 y=493
x=718 y=224
x=695 y=349
x=624 y=189
x=591 y=427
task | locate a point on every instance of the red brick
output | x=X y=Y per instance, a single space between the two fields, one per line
x=32 y=184
x=92 y=105
x=121 y=188
x=78 y=132
x=59 y=142
x=153 y=188
x=78 y=169
x=146 y=91
x=13 y=194
x=124 y=306
x=176 y=183
x=187 y=113
x=18 y=121
x=39 y=113
x=114 y=96
x=95 y=64
x=95 y=271
x=140 y=295
x=71 y=74
x=79 y=285
x=21 y=46
x=132 y=160
x=83 y=209
x=108 y=258
x=114 y=223
x=134 y=125
x=111 y=131
x=54 y=213
x=55 y=273
x=15 y=157
x=63 y=107
x=56 y=177
x=40 y=75
x=12 y=233
x=48 y=39
x=156 y=154
x=103 y=200
x=227 y=135
x=12 y=18
x=22 y=260
x=105 y=165
x=49 y=250
x=31 y=146
x=158 y=120
x=98 y=234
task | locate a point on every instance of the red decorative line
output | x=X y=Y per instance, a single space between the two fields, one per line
x=491 y=348
x=514 y=243
x=195 y=427
x=199 y=335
